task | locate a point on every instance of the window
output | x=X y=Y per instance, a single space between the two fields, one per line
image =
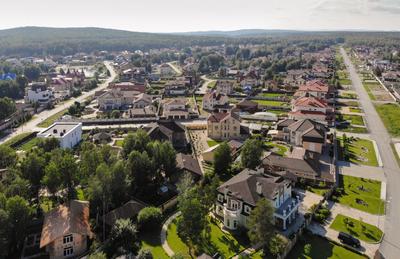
x=68 y=251
x=220 y=197
x=68 y=239
x=234 y=224
x=247 y=209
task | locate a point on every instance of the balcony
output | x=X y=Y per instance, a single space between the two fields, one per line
x=230 y=212
x=287 y=208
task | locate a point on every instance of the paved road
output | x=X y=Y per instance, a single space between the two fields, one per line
x=32 y=124
x=204 y=86
x=177 y=70
x=390 y=247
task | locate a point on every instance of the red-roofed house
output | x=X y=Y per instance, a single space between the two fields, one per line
x=315 y=88
x=312 y=108
x=223 y=126
x=214 y=98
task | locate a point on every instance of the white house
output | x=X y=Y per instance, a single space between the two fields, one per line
x=38 y=93
x=68 y=133
x=213 y=99
x=239 y=196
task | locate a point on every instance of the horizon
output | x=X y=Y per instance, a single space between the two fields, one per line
x=177 y=16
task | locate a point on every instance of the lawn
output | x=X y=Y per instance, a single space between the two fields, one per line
x=356 y=110
x=318 y=190
x=271 y=103
x=276 y=148
x=356 y=228
x=390 y=114
x=321 y=249
x=119 y=143
x=50 y=120
x=222 y=242
x=348 y=96
x=30 y=144
x=349 y=103
x=278 y=112
x=212 y=142
x=16 y=139
x=361 y=151
x=151 y=240
x=353 y=129
x=271 y=94
x=362 y=194
x=354 y=119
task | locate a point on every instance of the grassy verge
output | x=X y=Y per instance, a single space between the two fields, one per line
x=151 y=240
x=351 y=129
x=276 y=148
x=16 y=139
x=271 y=103
x=357 y=228
x=361 y=151
x=321 y=249
x=50 y=120
x=212 y=142
x=390 y=114
x=362 y=194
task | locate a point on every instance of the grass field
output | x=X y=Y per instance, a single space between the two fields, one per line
x=151 y=240
x=212 y=142
x=356 y=228
x=361 y=151
x=222 y=242
x=390 y=114
x=362 y=194
x=271 y=94
x=352 y=129
x=119 y=143
x=29 y=145
x=356 y=110
x=354 y=119
x=321 y=249
x=277 y=148
x=50 y=120
x=271 y=103
x=16 y=139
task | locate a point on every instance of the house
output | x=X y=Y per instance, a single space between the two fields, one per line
x=312 y=108
x=225 y=86
x=238 y=196
x=188 y=165
x=128 y=88
x=77 y=77
x=208 y=154
x=37 y=92
x=247 y=106
x=175 y=88
x=146 y=112
x=223 y=126
x=69 y=134
x=315 y=88
x=66 y=230
x=308 y=134
x=304 y=164
x=142 y=100
x=169 y=131
x=127 y=211
x=175 y=109
x=61 y=86
x=112 y=100
x=213 y=99
x=166 y=70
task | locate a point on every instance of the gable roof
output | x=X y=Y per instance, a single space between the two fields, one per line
x=311 y=102
x=218 y=116
x=64 y=220
x=243 y=186
x=187 y=162
x=315 y=86
x=126 y=211
x=309 y=163
x=308 y=128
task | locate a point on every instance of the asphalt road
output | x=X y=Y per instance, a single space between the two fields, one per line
x=390 y=247
x=204 y=87
x=32 y=124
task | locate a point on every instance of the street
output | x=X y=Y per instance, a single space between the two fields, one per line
x=390 y=247
x=204 y=86
x=32 y=124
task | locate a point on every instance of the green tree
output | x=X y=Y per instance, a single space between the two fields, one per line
x=7 y=107
x=222 y=159
x=32 y=72
x=4 y=231
x=149 y=218
x=119 y=184
x=32 y=168
x=260 y=223
x=52 y=179
x=8 y=156
x=135 y=141
x=98 y=255
x=123 y=239
x=251 y=153
x=144 y=253
x=140 y=167
x=115 y=114
x=48 y=144
x=277 y=245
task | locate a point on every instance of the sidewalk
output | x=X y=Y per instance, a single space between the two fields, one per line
x=163 y=234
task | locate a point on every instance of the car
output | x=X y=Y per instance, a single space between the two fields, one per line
x=349 y=239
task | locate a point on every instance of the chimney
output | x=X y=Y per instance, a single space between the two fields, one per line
x=258 y=188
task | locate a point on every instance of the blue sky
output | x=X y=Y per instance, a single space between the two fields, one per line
x=195 y=15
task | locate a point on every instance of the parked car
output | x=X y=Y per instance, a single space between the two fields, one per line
x=348 y=239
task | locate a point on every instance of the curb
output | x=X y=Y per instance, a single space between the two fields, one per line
x=378 y=154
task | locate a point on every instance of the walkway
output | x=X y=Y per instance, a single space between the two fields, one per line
x=368 y=172
x=163 y=234
x=390 y=247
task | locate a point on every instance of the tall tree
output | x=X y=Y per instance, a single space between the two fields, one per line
x=123 y=239
x=135 y=141
x=260 y=223
x=7 y=156
x=222 y=159
x=32 y=168
x=251 y=153
x=53 y=178
x=140 y=167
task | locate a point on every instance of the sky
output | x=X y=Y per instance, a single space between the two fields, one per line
x=202 y=15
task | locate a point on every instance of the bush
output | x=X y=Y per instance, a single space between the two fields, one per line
x=149 y=218
x=307 y=249
x=144 y=253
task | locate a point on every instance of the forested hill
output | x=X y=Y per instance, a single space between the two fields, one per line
x=39 y=40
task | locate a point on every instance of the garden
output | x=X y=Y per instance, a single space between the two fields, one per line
x=357 y=151
x=357 y=228
x=359 y=193
x=272 y=103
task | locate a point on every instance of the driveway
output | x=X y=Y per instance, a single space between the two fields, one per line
x=390 y=247
x=368 y=172
x=204 y=86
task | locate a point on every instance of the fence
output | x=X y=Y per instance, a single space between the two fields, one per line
x=169 y=204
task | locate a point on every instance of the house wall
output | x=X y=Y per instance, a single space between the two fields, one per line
x=226 y=129
x=40 y=96
x=56 y=248
x=312 y=146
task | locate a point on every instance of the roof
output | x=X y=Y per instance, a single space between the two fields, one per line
x=218 y=116
x=126 y=211
x=247 y=103
x=311 y=102
x=64 y=220
x=59 y=129
x=315 y=86
x=308 y=128
x=243 y=186
x=187 y=162
x=285 y=123
x=309 y=163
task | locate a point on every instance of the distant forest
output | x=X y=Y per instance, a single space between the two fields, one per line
x=37 y=41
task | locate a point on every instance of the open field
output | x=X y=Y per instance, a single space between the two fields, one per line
x=390 y=114
x=360 y=151
x=271 y=103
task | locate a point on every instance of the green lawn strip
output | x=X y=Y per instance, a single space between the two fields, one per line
x=356 y=110
x=317 y=190
x=321 y=249
x=352 y=129
x=371 y=96
x=362 y=148
x=212 y=142
x=390 y=114
x=29 y=145
x=345 y=81
x=357 y=228
x=277 y=112
x=119 y=143
x=354 y=119
x=271 y=94
x=362 y=194
x=396 y=155
x=151 y=240
x=50 y=120
x=271 y=103
x=276 y=148
x=16 y=139
x=222 y=242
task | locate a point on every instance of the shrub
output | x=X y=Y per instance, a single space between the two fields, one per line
x=307 y=249
x=149 y=217
x=144 y=253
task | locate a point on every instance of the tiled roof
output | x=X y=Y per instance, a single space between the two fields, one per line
x=311 y=102
x=218 y=116
x=314 y=86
